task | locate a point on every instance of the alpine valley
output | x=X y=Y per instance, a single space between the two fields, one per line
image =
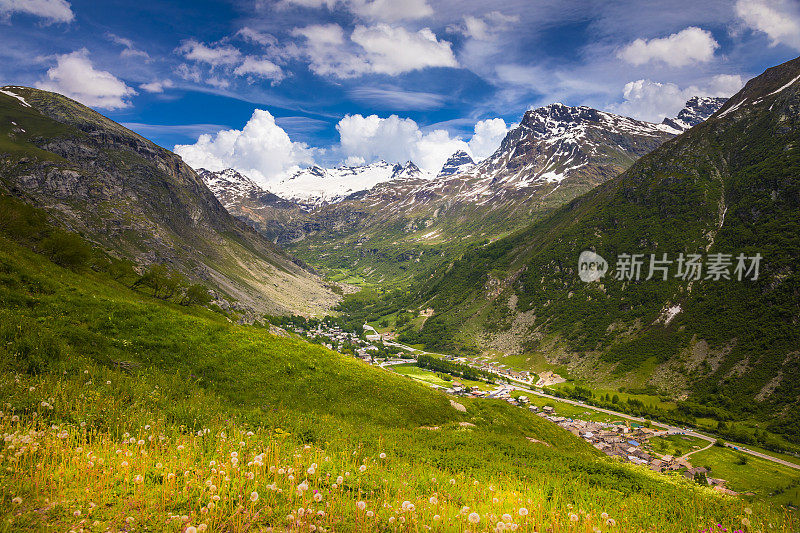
x=378 y=347
x=385 y=223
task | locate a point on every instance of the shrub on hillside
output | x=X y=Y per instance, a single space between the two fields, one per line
x=66 y=249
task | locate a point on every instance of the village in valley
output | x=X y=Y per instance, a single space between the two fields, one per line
x=625 y=440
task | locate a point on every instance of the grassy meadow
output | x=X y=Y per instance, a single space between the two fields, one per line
x=122 y=412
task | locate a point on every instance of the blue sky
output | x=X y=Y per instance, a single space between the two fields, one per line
x=411 y=78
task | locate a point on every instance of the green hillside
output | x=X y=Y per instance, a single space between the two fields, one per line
x=141 y=202
x=126 y=412
x=730 y=185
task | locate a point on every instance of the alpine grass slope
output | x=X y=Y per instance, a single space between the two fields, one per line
x=141 y=202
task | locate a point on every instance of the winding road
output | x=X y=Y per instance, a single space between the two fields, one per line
x=666 y=428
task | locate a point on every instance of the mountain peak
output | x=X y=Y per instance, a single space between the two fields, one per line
x=696 y=110
x=459 y=162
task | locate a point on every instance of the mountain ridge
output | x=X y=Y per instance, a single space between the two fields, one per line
x=142 y=202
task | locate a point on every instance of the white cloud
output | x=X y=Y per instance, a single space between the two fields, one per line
x=779 y=19
x=215 y=55
x=380 y=49
x=130 y=48
x=397 y=98
x=692 y=45
x=50 y=10
x=227 y=59
x=260 y=67
x=395 y=139
x=484 y=28
x=262 y=150
x=652 y=101
x=75 y=76
x=379 y=10
x=255 y=36
x=393 y=50
x=157 y=86
x=487 y=137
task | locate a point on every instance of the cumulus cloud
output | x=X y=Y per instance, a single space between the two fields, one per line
x=157 y=86
x=261 y=150
x=210 y=62
x=692 y=45
x=50 y=10
x=487 y=137
x=382 y=10
x=260 y=67
x=380 y=49
x=652 y=101
x=214 y=55
x=75 y=76
x=395 y=139
x=779 y=19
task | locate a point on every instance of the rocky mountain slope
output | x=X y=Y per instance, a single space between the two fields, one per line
x=697 y=109
x=402 y=227
x=139 y=201
x=722 y=335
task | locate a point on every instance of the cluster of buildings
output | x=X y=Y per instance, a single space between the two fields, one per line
x=335 y=338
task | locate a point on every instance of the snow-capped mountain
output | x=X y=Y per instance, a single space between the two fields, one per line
x=317 y=186
x=229 y=186
x=459 y=162
x=697 y=110
x=247 y=201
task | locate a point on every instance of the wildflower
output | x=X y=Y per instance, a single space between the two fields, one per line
x=180 y=447
x=747 y=510
x=362 y=468
x=339 y=480
x=190 y=529
x=745 y=522
x=370 y=514
x=433 y=500
x=436 y=518
x=524 y=512
x=318 y=497
x=202 y=527
x=17 y=500
x=604 y=516
x=500 y=526
x=573 y=517
x=382 y=455
x=77 y=513
x=474 y=518
x=611 y=522
x=507 y=518
x=361 y=505
x=311 y=471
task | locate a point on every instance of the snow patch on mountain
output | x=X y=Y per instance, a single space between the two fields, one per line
x=316 y=186
x=229 y=186
x=459 y=162
x=697 y=110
